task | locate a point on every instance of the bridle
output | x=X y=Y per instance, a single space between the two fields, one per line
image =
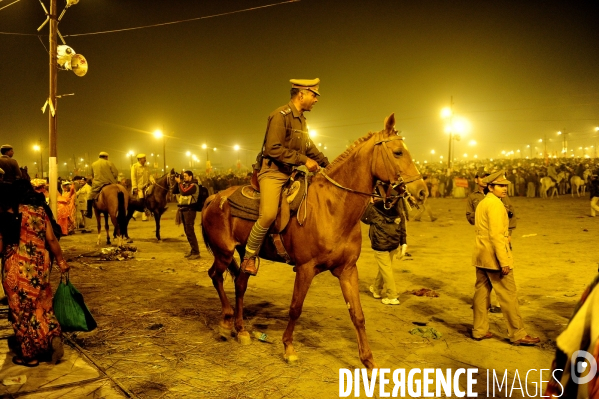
x=168 y=179
x=382 y=150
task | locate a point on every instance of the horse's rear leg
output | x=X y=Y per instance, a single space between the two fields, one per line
x=349 y=286
x=107 y=230
x=216 y=272
x=303 y=278
x=99 y=221
x=241 y=284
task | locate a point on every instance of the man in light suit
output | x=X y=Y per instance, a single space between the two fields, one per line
x=103 y=173
x=494 y=264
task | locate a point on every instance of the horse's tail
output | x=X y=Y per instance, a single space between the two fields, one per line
x=121 y=215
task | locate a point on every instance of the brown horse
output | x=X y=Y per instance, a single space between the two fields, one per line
x=156 y=202
x=112 y=201
x=335 y=202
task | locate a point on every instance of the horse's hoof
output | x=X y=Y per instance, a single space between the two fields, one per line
x=291 y=359
x=244 y=338
x=224 y=333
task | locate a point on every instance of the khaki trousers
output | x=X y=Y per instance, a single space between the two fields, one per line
x=505 y=289
x=594 y=206
x=271 y=184
x=385 y=274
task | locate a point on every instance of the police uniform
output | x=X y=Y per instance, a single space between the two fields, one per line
x=286 y=144
x=9 y=165
x=140 y=176
x=103 y=172
x=491 y=253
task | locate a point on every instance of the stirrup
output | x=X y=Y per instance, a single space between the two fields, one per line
x=254 y=264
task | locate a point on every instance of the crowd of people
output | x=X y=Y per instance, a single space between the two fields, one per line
x=524 y=175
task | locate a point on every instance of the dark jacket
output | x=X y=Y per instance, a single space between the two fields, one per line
x=594 y=188
x=387 y=226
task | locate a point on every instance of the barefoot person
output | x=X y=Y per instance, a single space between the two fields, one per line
x=494 y=264
x=26 y=277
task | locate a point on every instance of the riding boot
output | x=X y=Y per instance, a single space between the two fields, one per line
x=90 y=203
x=250 y=262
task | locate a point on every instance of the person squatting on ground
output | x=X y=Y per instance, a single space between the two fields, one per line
x=25 y=233
x=594 y=193
x=8 y=164
x=140 y=181
x=188 y=192
x=103 y=173
x=388 y=240
x=472 y=202
x=492 y=257
x=286 y=144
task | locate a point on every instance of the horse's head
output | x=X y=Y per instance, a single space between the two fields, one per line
x=393 y=162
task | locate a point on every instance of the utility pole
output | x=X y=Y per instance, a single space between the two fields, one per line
x=52 y=116
x=565 y=142
x=449 y=157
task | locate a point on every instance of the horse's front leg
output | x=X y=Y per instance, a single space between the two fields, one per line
x=303 y=278
x=241 y=284
x=157 y=216
x=348 y=279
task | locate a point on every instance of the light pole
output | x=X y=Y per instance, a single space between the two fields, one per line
x=447 y=113
x=39 y=148
x=432 y=155
x=565 y=145
x=159 y=135
x=130 y=154
x=236 y=148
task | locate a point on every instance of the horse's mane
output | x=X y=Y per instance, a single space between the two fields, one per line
x=349 y=151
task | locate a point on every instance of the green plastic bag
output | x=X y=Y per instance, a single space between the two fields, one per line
x=69 y=308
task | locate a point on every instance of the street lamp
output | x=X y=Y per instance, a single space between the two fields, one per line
x=130 y=154
x=39 y=148
x=159 y=135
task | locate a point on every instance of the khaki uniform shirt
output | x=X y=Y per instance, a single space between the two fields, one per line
x=82 y=197
x=10 y=167
x=476 y=197
x=140 y=176
x=287 y=142
x=103 y=172
x=491 y=248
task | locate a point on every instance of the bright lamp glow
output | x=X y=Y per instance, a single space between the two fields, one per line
x=158 y=134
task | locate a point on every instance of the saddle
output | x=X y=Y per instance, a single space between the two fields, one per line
x=245 y=204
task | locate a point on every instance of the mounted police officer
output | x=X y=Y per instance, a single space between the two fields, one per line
x=286 y=144
x=103 y=173
x=141 y=179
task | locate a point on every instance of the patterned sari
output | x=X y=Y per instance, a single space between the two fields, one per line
x=26 y=281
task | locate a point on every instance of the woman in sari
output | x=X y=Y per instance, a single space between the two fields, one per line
x=26 y=242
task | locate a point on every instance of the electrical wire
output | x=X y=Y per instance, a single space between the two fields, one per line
x=183 y=20
x=16 y=1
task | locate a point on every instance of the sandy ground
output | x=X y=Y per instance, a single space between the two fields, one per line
x=157 y=313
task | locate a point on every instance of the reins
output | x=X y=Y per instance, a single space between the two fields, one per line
x=389 y=165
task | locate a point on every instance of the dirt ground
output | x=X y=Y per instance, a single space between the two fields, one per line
x=158 y=313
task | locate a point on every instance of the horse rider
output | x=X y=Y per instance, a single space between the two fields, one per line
x=286 y=144
x=492 y=258
x=552 y=173
x=9 y=165
x=140 y=180
x=103 y=173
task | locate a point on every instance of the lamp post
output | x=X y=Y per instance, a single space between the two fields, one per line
x=39 y=148
x=159 y=135
x=236 y=148
x=432 y=154
x=564 y=134
x=447 y=113
x=130 y=154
